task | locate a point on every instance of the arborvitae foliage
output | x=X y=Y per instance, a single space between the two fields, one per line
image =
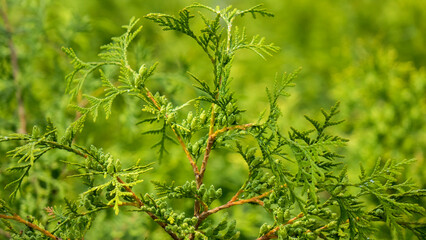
x=298 y=177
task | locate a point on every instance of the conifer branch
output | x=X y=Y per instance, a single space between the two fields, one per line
x=17 y=218
x=138 y=201
x=285 y=172
x=134 y=196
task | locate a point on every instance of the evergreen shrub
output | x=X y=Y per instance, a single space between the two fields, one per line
x=298 y=178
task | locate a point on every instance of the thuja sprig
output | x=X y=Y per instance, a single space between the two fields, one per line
x=298 y=178
x=220 y=48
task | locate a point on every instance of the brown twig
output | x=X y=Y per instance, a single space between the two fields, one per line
x=140 y=204
x=128 y=189
x=233 y=202
x=181 y=142
x=272 y=234
x=17 y=218
x=210 y=141
x=200 y=175
x=15 y=70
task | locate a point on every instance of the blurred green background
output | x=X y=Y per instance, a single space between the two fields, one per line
x=369 y=55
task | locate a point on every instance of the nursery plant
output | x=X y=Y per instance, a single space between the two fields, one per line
x=297 y=177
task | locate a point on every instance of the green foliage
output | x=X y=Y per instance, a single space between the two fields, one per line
x=298 y=179
x=394 y=117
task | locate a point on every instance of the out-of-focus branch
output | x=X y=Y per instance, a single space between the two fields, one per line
x=15 y=70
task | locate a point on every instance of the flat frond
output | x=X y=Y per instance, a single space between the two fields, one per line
x=168 y=22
